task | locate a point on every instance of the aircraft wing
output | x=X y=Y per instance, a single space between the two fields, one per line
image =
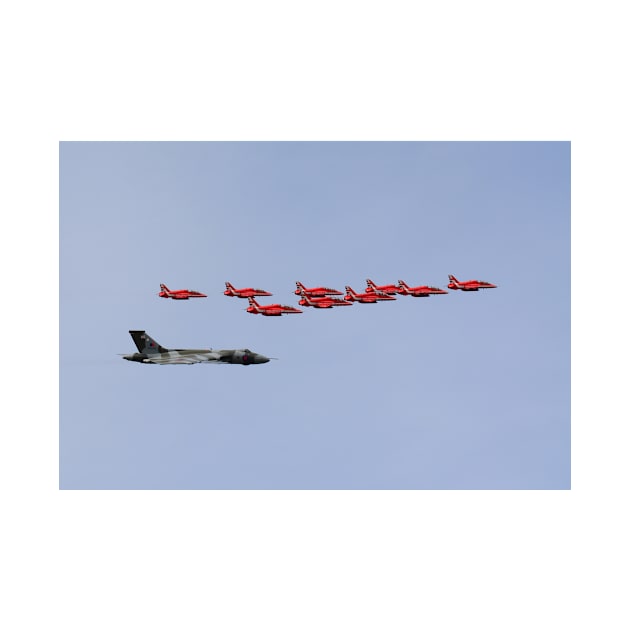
x=186 y=359
x=173 y=361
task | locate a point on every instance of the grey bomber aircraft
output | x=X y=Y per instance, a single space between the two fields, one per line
x=150 y=351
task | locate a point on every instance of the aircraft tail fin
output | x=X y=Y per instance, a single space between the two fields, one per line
x=453 y=278
x=145 y=344
x=403 y=285
x=163 y=287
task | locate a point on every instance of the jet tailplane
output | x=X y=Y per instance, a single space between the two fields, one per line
x=145 y=344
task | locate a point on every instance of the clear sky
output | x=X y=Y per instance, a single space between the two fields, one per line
x=458 y=391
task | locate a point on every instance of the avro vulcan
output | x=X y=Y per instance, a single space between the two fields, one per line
x=150 y=351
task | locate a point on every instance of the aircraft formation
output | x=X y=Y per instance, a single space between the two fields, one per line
x=150 y=351
x=322 y=297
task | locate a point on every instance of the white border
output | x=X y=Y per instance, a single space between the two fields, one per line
x=286 y=70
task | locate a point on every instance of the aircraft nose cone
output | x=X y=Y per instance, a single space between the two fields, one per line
x=261 y=358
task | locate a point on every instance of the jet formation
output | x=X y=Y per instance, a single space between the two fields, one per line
x=322 y=297
x=150 y=351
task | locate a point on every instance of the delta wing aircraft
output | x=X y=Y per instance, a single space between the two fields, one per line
x=421 y=291
x=243 y=293
x=300 y=289
x=469 y=285
x=150 y=351
x=179 y=294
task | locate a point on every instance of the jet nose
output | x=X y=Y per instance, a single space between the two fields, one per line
x=261 y=358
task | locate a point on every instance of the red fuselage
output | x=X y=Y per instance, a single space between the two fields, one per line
x=323 y=302
x=420 y=291
x=315 y=291
x=243 y=293
x=469 y=285
x=366 y=298
x=179 y=294
x=270 y=309
x=383 y=288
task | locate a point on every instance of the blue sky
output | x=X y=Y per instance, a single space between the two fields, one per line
x=458 y=391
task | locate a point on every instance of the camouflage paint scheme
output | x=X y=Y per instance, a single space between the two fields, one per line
x=150 y=351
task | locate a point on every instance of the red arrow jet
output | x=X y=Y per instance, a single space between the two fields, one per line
x=322 y=302
x=390 y=289
x=421 y=291
x=180 y=294
x=300 y=289
x=469 y=285
x=366 y=298
x=270 y=309
x=243 y=293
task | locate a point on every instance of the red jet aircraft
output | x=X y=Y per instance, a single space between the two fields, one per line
x=366 y=298
x=322 y=302
x=270 y=309
x=180 y=294
x=390 y=289
x=300 y=289
x=469 y=285
x=243 y=293
x=421 y=291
